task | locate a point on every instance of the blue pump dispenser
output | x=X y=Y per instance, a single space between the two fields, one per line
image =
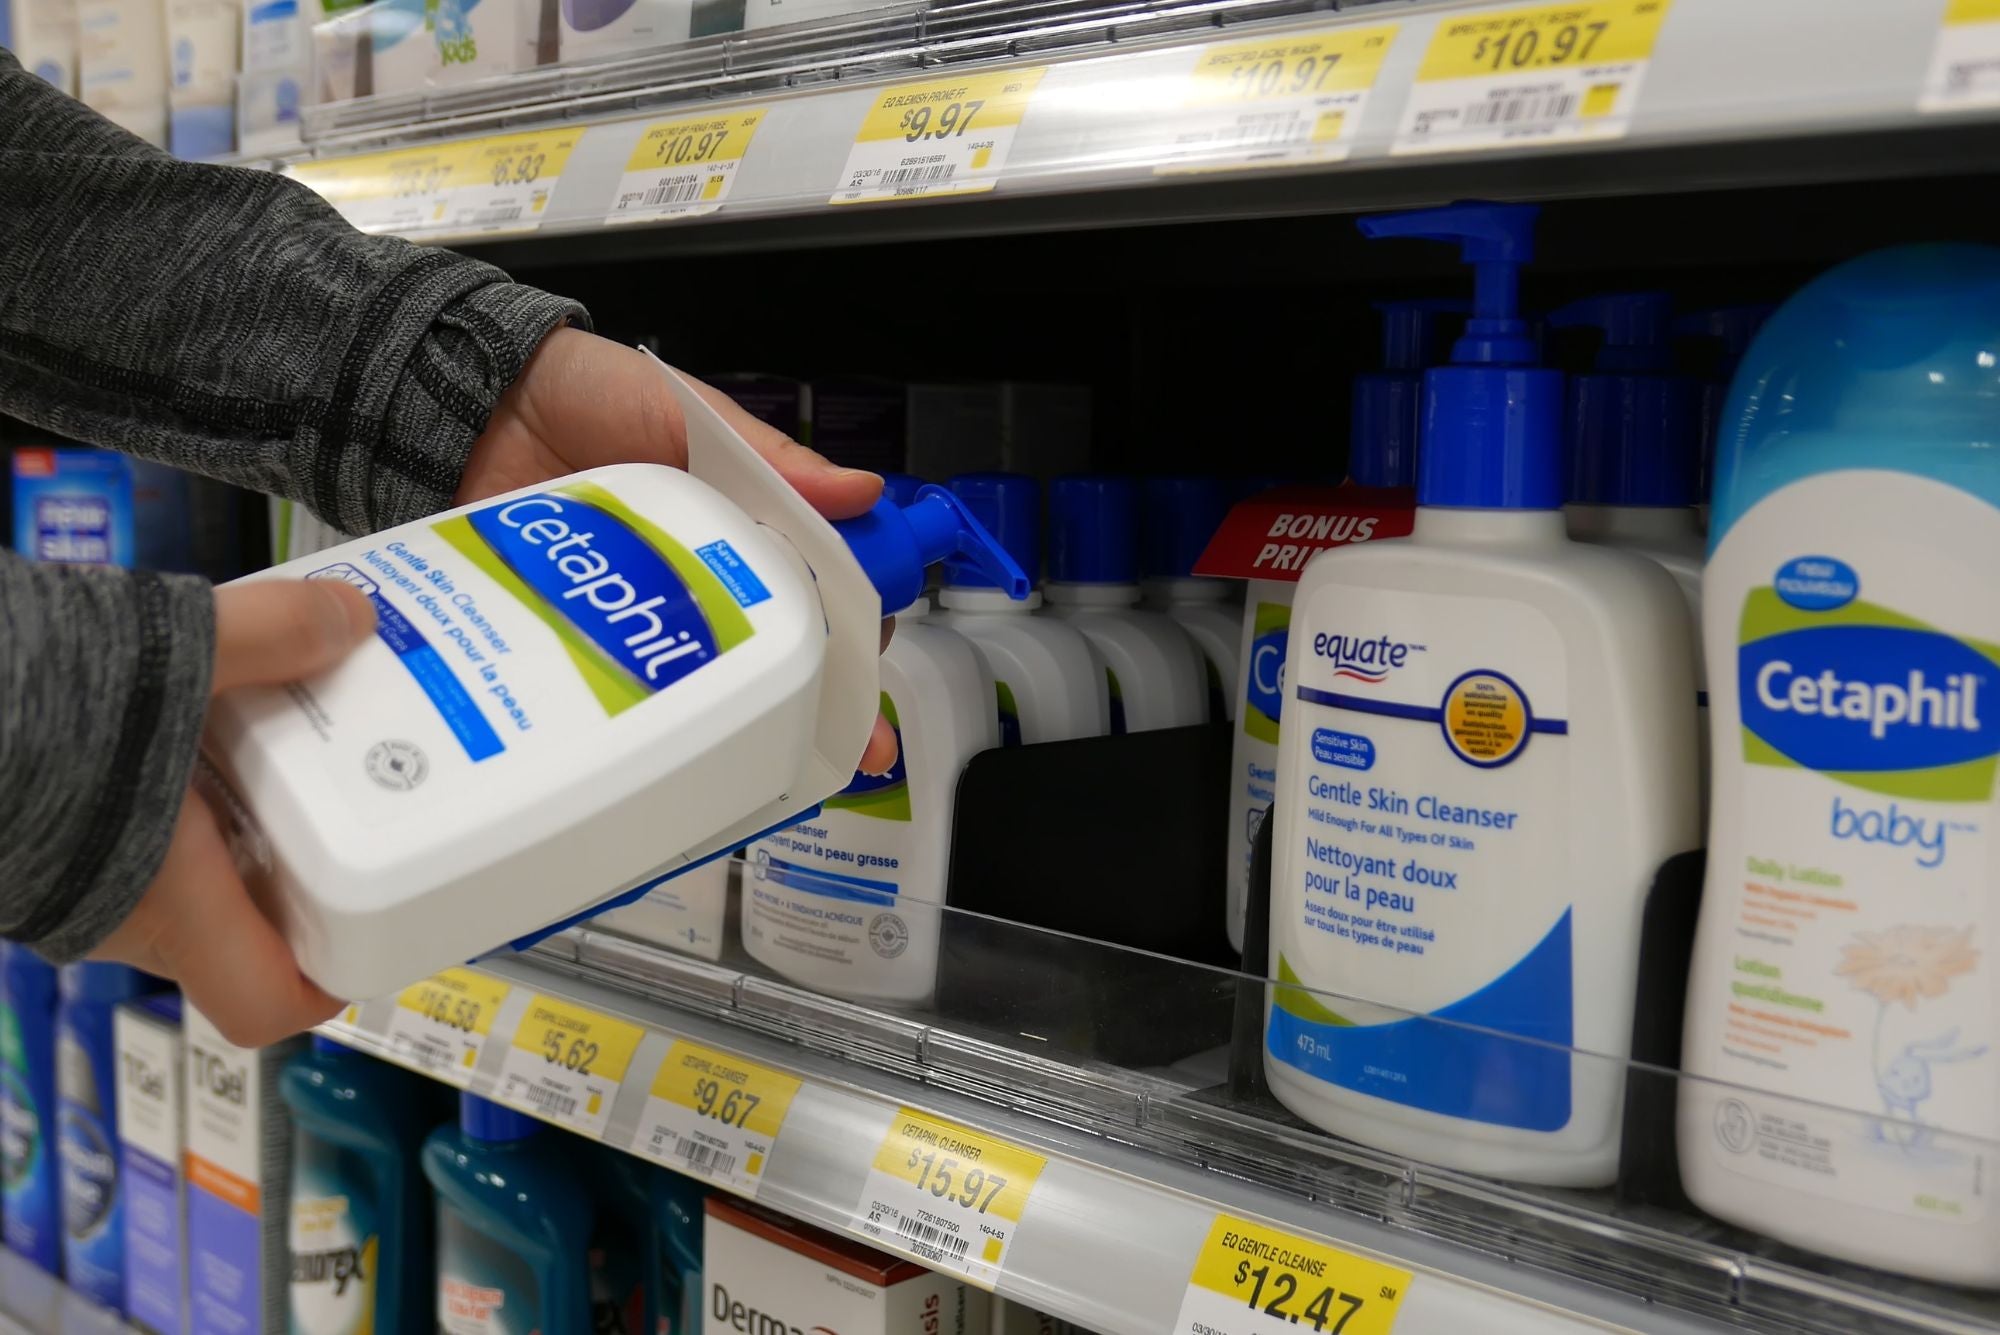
x=1634 y=425
x=1492 y=419
x=1009 y=505
x=1093 y=530
x=1384 y=423
x=1733 y=327
x=1182 y=514
x=895 y=543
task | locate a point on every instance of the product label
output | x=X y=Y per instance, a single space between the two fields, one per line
x=516 y=626
x=27 y=1187
x=1255 y=752
x=830 y=889
x=1279 y=101
x=407 y=190
x=1545 y=74
x=1010 y=714
x=150 y=1127
x=941 y=137
x=442 y=1023
x=1253 y=1279
x=87 y=1155
x=948 y=1195
x=335 y=1239
x=483 y=1289
x=225 y=1194
x=683 y=168
x=1851 y=861
x=1965 y=62
x=566 y=1064
x=1427 y=871
x=505 y=183
x=715 y=1116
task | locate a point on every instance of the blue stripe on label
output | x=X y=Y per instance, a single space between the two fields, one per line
x=735 y=574
x=274 y=9
x=454 y=706
x=1421 y=713
x=833 y=885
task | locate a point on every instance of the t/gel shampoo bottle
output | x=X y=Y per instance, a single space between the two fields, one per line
x=1152 y=670
x=362 y=1252
x=1181 y=515
x=30 y=1203
x=93 y=1197
x=1842 y=1043
x=1486 y=753
x=513 y=1226
x=849 y=903
x=1047 y=680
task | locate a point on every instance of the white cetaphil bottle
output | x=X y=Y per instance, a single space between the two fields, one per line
x=573 y=691
x=1841 y=1051
x=1634 y=428
x=848 y=902
x=1486 y=753
x=1152 y=669
x=1047 y=680
x=1181 y=515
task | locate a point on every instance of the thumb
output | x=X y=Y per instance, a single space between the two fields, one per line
x=269 y=631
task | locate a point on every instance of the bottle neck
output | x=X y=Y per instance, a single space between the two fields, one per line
x=1636 y=523
x=1512 y=528
x=1091 y=595
x=963 y=598
x=916 y=611
x=1166 y=592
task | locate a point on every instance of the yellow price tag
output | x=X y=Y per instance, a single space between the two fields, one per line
x=1281 y=100
x=1253 y=1279
x=948 y=1194
x=1965 y=61
x=442 y=1023
x=940 y=137
x=683 y=167
x=567 y=1063
x=504 y=183
x=715 y=1115
x=1505 y=77
x=399 y=191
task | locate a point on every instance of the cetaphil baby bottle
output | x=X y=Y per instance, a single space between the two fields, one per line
x=1486 y=753
x=1841 y=1048
x=1047 y=680
x=574 y=691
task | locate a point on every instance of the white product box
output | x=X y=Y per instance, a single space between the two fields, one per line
x=122 y=64
x=204 y=44
x=267 y=110
x=476 y=39
x=45 y=40
x=762 y=1272
x=1014 y=425
x=772 y=13
x=1014 y=1319
x=686 y=914
x=378 y=50
x=239 y=1152
x=622 y=27
x=152 y=1134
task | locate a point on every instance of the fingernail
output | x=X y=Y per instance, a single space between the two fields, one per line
x=856 y=472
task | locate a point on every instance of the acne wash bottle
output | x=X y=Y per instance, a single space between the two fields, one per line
x=1487 y=750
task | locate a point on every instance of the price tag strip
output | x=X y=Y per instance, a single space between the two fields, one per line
x=714 y=1116
x=1965 y=63
x=441 y=1023
x=1252 y=1279
x=566 y=1063
x=684 y=168
x=948 y=1195
x=1278 y=102
x=505 y=183
x=944 y=137
x=402 y=191
x=1513 y=77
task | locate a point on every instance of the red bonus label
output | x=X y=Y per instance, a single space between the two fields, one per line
x=1273 y=534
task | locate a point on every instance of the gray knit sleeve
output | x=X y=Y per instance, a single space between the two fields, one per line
x=231 y=323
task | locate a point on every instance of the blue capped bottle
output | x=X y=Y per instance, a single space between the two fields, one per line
x=1178 y=516
x=1843 y=1021
x=93 y=1197
x=30 y=1194
x=1486 y=752
x=677 y=1221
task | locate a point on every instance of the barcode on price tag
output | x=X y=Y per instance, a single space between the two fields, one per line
x=944 y=137
x=441 y=1023
x=1252 y=1279
x=1965 y=63
x=1284 y=100
x=504 y=184
x=683 y=168
x=1514 y=77
x=947 y=1195
x=715 y=1116
x=566 y=1063
x=401 y=191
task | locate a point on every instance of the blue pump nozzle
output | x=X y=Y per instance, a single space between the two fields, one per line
x=1010 y=506
x=1093 y=530
x=1634 y=425
x=1384 y=422
x=1492 y=420
x=483 y=1119
x=894 y=544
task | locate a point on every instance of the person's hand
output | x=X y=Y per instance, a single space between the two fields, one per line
x=196 y=924
x=584 y=402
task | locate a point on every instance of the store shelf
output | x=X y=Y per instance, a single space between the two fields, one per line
x=1119 y=125
x=1140 y=1162
x=34 y=1302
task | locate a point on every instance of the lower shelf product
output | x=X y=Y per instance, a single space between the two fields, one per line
x=93 y=1195
x=30 y=1200
x=152 y=1134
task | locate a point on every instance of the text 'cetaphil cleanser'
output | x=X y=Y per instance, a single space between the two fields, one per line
x=574 y=691
x=1842 y=1042
x=1486 y=753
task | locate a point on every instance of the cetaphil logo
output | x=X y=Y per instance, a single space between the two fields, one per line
x=1264 y=671
x=1362 y=659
